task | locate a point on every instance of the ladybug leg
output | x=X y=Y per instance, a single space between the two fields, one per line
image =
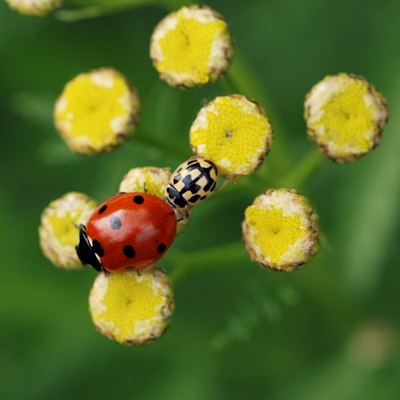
x=226 y=182
x=138 y=272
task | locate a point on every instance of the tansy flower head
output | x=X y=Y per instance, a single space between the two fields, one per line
x=153 y=180
x=35 y=8
x=280 y=230
x=131 y=308
x=234 y=132
x=345 y=116
x=96 y=111
x=191 y=47
x=59 y=232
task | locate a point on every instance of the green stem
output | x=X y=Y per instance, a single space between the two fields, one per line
x=240 y=79
x=86 y=9
x=224 y=255
x=147 y=138
x=299 y=174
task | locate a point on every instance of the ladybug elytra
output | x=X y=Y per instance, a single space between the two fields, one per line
x=127 y=232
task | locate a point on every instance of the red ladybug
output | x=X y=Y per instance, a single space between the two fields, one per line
x=127 y=232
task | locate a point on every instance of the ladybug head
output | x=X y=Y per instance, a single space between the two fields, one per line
x=85 y=250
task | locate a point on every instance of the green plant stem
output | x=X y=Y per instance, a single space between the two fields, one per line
x=223 y=255
x=300 y=173
x=241 y=79
x=147 y=138
x=86 y=9
x=92 y=10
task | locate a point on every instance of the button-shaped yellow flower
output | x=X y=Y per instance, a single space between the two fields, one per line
x=35 y=8
x=345 y=116
x=97 y=111
x=234 y=132
x=59 y=229
x=132 y=308
x=151 y=180
x=280 y=230
x=191 y=47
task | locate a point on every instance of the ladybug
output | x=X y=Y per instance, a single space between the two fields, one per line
x=127 y=232
x=192 y=182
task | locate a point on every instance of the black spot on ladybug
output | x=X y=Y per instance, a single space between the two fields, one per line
x=115 y=222
x=194 y=165
x=102 y=209
x=97 y=248
x=130 y=268
x=177 y=178
x=138 y=199
x=129 y=251
x=176 y=197
x=161 y=248
x=195 y=198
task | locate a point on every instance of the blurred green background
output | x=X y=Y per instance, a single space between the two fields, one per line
x=327 y=331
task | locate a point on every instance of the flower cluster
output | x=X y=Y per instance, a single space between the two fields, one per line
x=231 y=136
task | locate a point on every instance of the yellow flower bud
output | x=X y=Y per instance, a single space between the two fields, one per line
x=280 y=230
x=59 y=229
x=96 y=112
x=345 y=116
x=234 y=132
x=34 y=8
x=191 y=47
x=152 y=180
x=132 y=308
